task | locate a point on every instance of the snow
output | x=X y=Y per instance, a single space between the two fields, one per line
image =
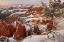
x=44 y=38
x=30 y=15
x=17 y=13
x=11 y=39
x=21 y=9
x=59 y=23
x=27 y=27
x=42 y=27
x=20 y=12
x=59 y=34
x=30 y=19
x=35 y=38
x=10 y=10
x=3 y=11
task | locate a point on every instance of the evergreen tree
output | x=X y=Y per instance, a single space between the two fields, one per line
x=52 y=10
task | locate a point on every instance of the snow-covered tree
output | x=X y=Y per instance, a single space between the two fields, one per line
x=52 y=10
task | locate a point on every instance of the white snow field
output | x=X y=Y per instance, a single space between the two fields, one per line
x=44 y=38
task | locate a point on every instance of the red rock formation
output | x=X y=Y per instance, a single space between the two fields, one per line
x=20 y=32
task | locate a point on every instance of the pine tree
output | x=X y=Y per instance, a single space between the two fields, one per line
x=52 y=10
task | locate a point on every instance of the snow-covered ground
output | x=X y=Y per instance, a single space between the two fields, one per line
x=44 y=38
x=58 y=36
